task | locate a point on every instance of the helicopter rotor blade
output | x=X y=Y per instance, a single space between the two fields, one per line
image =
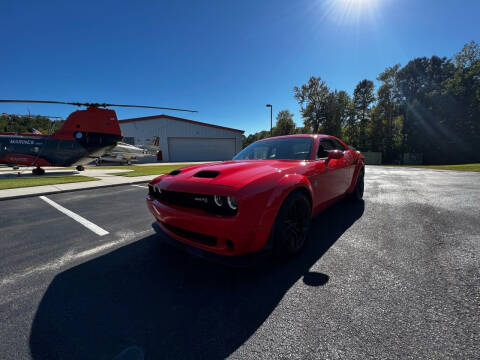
x=94 y=104
x=147 y=107
x=39 y=102
x=33 y=115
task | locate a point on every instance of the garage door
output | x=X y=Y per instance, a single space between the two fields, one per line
x=200 y=149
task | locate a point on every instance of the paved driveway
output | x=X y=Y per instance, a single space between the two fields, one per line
x=397 y=276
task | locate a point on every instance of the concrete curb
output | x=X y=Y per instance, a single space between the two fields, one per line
x=69 y=190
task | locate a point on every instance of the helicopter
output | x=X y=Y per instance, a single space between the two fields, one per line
x=85 y=135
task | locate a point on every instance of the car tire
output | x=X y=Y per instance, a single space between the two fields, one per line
x=290 y=232
x=357 y=193
x=38 y=172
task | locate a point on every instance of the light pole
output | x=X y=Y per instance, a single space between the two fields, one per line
x=271 y=111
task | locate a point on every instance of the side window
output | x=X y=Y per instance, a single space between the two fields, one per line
x=338 y=145
x=327 y=144
x=323 y=148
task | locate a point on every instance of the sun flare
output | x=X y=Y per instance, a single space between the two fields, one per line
x=357 y=2
x=347 y=10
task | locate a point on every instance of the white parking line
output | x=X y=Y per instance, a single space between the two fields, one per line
x=146 y=187
x=88 y=224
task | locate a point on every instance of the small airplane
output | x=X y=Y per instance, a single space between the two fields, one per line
x=122 y=153
x=152 y=146
x=84 y=136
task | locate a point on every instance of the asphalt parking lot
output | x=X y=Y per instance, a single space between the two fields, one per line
x=396 y=277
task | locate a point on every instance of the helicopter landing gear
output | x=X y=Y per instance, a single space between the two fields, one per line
x=38 y=171
x=80 y=168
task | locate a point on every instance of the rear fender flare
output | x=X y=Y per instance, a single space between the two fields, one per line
x=360 y=166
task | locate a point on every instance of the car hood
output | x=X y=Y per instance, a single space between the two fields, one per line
x=235 y=173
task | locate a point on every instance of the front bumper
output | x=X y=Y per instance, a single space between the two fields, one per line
x=223 y=235
x=246 y=260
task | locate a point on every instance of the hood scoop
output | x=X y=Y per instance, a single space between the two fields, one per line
x=207 y=174
x=174 y=172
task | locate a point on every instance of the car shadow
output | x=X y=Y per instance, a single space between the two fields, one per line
x=153 y=299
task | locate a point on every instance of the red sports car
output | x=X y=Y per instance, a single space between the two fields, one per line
x=263 y=199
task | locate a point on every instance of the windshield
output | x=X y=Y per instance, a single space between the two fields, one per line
x=285 y=148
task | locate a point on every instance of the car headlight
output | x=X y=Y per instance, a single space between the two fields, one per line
x=218 y=200
x=232 y=203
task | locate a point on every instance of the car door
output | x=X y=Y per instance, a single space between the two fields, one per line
x=336 y=166
x=327 y=180
x=347 y=163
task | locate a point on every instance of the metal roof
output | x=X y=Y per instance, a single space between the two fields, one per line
x=163 y=116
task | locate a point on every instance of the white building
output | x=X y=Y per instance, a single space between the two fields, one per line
x=181 y=139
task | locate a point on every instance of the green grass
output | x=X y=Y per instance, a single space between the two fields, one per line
x=20 y=182
x=144 y=170
x=460 y=167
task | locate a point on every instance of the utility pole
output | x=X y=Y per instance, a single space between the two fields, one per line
x=271 y=112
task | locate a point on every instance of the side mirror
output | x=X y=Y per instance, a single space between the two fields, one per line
x=334 y=154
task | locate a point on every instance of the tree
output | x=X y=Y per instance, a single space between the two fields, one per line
x=430 y=106
x=285 y=124
x=460 y=100
x=376 y=130
x=468 y=56
x=250 y=139
x=312 y=98
x=331 y=124
x=350 y=129
x=388 y=106
x=427 y=128
x=25 y=123
x=362 y=99
x=336 y=113
x=302 y=130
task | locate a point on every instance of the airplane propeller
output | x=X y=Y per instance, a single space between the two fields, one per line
x=93 y=104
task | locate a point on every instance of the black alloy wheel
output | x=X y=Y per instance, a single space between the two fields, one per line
x=292 y=224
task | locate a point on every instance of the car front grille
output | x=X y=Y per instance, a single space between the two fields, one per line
x=189 y=200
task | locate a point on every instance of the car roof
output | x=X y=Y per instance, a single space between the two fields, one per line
x=296 y=136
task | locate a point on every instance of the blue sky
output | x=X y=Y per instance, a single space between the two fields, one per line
x=225 y=58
